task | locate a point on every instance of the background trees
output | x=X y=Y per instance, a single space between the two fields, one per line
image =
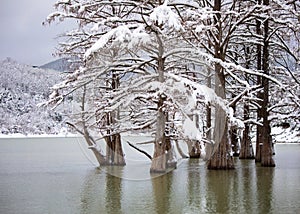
x=22 y=88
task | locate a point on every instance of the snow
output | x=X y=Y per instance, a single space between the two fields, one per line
x=281 y=135
x=235 y=122
x=127 y=34
x=119 y=35
x=163 y=15
x=19 y=135
x=22 y=88
x=190 y=130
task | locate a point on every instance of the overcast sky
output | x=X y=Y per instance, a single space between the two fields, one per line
x=22 y=36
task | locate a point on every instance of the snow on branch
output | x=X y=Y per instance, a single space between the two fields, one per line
x=119 y=35
x=163 y=15
x=208 y=94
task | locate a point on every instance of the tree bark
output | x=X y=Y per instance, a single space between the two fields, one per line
x=180 y=150
x=234 y=138
x=159 y=159
x=208 y=147
x=194 y=148
x=221 y=157
x=266 y=153
x=246 y=144
x=114 y=150
x=170 y=152
x=259 y=94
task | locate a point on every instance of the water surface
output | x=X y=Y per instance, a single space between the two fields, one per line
x=56 y=175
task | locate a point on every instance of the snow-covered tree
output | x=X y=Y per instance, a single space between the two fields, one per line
x=139 y=45
x=145 y=66
x=22 y=88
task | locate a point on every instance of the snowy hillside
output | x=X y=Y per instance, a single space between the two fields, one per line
x=22 y=87
x=62 y=64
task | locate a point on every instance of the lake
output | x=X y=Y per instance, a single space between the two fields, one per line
x=58 y=175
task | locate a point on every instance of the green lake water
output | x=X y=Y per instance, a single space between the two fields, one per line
x=56 y=175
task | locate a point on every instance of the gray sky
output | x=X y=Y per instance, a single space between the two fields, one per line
x=22 y=36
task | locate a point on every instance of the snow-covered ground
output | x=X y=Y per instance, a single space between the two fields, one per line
x=281 y=135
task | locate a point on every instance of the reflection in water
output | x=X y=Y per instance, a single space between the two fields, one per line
x=190 y=189
x=265 y=189
x=219 y=190
x=113 y=191
x=246 y=190
x=194 y=188
x=92 y=192
x=54 y=177
x=102 y=192
x=233 y=191
x=161 y=192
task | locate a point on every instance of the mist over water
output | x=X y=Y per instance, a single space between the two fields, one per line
x=54 y=175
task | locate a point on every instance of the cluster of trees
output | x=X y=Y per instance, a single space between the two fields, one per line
x=207 y=72
x=22 y=88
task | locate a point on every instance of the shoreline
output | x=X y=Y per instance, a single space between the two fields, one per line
x=72 y=135
x=15 y=136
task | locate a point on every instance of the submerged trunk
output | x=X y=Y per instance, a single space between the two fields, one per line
x=246 y=144
x=159 y=159
x=266 y=153
x=171 y=156
x=221 y=157
x=259 y=94
x=114 y=151
x=234 y=138
x=97 y=152
x=194 y=148
x=234 y=142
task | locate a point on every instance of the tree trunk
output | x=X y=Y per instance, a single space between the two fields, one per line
x=180 y=150
x=194 y=145
x=266 y=153
x=234 y=138
x=246 y=144
x=159 y=159
x=114 y=151
x=194 y=148
x=171 y=157
x=259 y=94
x=221 y=157
x=88 y=138
x=208 y=147
x=99 y=156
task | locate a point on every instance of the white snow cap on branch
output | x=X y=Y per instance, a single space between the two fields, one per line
x=119 y=35
x=164 y=15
